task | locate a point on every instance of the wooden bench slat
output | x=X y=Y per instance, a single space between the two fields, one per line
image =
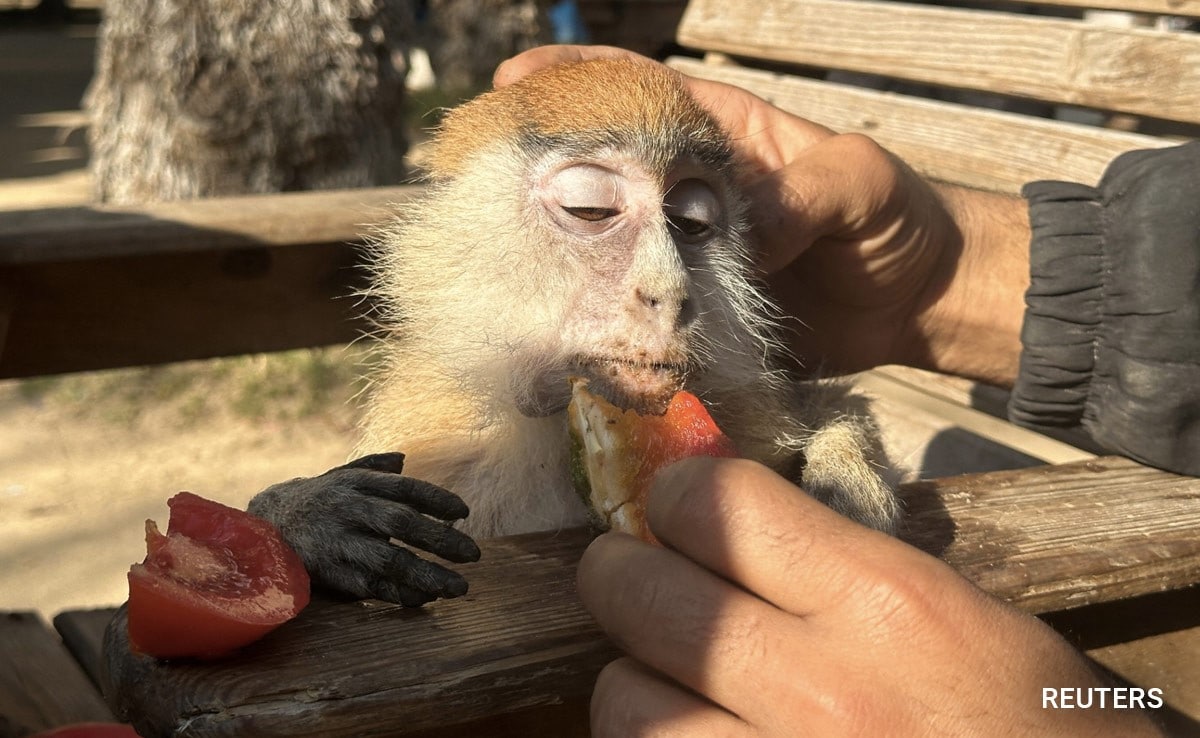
x=520 y=642
x=1139 y=71
x=952 y=395
x=212 y=224
x=1186 y=8
x=104 y=287
x=41 y=686
x=138 y=310
x=1057 y=537
x=950 y=142
x=82 y=632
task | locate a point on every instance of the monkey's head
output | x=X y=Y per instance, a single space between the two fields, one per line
x=582 y=221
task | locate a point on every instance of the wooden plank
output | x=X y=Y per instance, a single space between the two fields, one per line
x=41 y=687
x=1142 y=71
x=1016 y=438
x=1153 y=640
x=211 y=224
x=1148 y=7
x=520 y=644
x=82 y=632
x=945 y=393
x=80 y=315
x=979 y=148
x=103 y=287
x=1057 y=537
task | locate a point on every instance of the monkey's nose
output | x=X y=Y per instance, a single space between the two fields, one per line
x=648 y=299
x=674 y=311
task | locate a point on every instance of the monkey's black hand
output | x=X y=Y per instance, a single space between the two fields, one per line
x=341 y=521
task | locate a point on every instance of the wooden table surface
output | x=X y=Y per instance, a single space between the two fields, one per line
x=519 y=653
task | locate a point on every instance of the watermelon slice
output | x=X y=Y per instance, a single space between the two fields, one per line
x=616 y=453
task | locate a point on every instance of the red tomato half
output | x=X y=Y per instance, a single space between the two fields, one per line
x=89 y=730
x=616 y=453
x=220 y=579
x=685 y=430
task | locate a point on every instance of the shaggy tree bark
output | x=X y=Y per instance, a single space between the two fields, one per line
x=196 y=98
x=466 y=39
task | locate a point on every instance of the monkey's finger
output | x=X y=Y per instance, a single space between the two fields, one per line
x=383 y=561
x=408 y=525
x=389 y=591
x=392 y=463
x=349 y=578
x=426 y=498
x=406 y=569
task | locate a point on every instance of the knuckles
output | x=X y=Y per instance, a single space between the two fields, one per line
x=333 y=522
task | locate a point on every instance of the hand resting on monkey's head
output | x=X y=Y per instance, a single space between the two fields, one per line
x=583 y=222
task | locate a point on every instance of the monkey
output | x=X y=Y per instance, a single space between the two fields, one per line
x=583 y=222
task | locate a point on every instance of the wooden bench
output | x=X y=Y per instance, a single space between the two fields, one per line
x=47 y=681
x=518 y=654
x=1103 y=549
x=97 y=287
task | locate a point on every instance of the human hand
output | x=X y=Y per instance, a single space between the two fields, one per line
x=867 y=255
x=341 y=521
x=767 y=614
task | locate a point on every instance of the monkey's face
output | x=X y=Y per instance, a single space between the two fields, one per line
x=644 y=249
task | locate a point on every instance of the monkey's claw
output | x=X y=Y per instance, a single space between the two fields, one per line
x=343 y=521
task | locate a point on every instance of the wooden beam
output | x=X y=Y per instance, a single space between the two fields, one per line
x=521 y=648
x=89 y=233
x=979 y=148
x=1139 y=71
x=1147 y=7
x=82 y=632
x=519 y=645
x=103 y=287
x=136 y=310
x=1058 y=537
x=40 y=686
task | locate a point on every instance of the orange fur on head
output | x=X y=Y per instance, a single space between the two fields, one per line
x=590 y=103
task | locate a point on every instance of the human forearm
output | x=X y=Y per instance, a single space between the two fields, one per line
x=969 y=321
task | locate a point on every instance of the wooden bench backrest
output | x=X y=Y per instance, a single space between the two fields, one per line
x=1128 y=77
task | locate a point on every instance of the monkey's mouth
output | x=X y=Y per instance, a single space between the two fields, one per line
x=642 y=386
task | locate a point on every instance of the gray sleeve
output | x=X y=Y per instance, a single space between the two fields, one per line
x=1111 y=338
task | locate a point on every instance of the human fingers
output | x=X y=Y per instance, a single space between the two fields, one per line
x=843 y=187
x=631 y=700
x=528 y=62
x=746 y=524
x=764 y=136
x=690 y=625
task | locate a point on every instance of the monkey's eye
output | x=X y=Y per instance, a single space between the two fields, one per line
x=585 y=198
x=592 y=215
x=692 y=209
x=689 y=226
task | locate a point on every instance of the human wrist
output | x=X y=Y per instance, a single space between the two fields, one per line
x=969 y=320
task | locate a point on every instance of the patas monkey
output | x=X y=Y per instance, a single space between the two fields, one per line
x=581 y=222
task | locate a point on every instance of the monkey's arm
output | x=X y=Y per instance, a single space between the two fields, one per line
x=341 y=521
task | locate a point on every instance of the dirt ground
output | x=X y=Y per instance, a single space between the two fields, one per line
x=83 y=465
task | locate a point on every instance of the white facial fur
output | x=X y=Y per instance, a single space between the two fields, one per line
x=641 y=240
